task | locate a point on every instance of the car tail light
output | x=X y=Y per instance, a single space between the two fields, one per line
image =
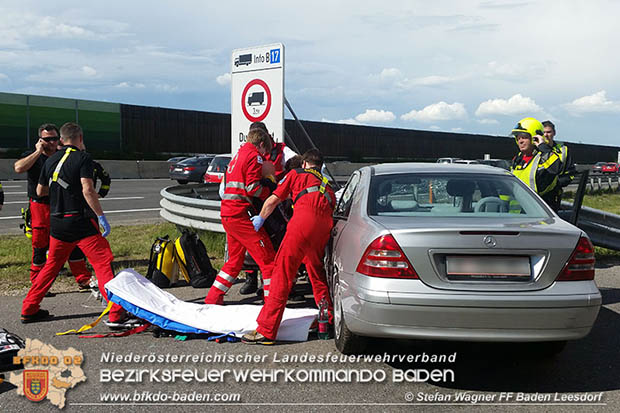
x=189 y=168
x=171 y=167
x=580 y=266
x=384 y=258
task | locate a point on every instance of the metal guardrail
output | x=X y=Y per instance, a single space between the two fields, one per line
x=197 y=206
x=194 y=206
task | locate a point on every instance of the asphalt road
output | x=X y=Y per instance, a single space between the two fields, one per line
x=589 y=365
x=130 y=201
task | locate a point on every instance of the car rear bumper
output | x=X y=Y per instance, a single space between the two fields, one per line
x=546 y=315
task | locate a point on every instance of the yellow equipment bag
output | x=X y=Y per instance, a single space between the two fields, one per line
x=163 y=269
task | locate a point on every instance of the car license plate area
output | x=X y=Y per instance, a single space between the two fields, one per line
x=178 y=169
x=488 y=268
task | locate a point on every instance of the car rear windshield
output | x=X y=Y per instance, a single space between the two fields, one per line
x=451 y=195
x=196 y=161
x=218 y=164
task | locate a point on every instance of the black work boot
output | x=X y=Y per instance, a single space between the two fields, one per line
x=251 y=283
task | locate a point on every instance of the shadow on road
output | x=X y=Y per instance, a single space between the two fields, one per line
x=589 y=364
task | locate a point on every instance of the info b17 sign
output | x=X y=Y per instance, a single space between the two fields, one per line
x=257 y=91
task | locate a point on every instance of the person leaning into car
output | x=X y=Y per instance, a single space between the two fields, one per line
x=568 y=167
x=306 y=235
x=536 y=164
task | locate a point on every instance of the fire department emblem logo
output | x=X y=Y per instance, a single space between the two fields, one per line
x=36 y=384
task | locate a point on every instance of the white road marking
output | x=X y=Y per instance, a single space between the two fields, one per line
x=15 y=193
x=25 y=202
x=106 y=212
x=121 y=198
x=11 y=186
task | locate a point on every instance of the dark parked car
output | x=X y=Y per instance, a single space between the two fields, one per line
x=190 y=169
x=598 y=167
x=498 y=163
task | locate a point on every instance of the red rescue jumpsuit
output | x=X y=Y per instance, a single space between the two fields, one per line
x=40 y=222
x=276 y=156
x=242 y=182
x=307 y=234
x=69 y=221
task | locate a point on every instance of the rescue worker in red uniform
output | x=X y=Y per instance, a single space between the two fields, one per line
x=306 y=237
x=278 y=155
x=243 y=177
x=67 y=178
x=32 y=163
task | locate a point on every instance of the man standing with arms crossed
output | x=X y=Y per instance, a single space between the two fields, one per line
x=39 y=206
x=307 y=234
x=67 y=178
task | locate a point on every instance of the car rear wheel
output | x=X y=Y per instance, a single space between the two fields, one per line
x=346 y=341
x=182 y=181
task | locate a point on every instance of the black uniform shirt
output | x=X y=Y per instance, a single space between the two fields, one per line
x=70 y=214
x=33 y=178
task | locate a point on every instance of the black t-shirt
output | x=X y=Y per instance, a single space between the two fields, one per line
x=33 y=177
x=71 y=217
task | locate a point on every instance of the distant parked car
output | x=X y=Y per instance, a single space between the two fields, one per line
x=447 y=160
x=176 y=159
x=498 y=163
x=466 y=161
x=598 y=167
x=190 y=169
x=610 y=168
x=216 y=169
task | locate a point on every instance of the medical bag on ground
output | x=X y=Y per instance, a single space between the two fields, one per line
x=163 y=269
x=193 y=260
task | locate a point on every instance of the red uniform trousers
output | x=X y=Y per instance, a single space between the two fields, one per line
x=98 y=251
x=306 y=236
x=40 y=215
x=241 y=236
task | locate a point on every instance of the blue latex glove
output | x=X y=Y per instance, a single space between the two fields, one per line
x=103 y=222
x=257 y=221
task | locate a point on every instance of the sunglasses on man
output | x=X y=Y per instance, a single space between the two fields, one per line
x=50 y=139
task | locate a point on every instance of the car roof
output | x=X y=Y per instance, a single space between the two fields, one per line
x=439 y=168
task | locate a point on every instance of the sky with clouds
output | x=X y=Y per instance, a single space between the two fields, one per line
x=463 y=66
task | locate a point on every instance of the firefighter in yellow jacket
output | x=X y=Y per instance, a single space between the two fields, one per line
x=536 y=164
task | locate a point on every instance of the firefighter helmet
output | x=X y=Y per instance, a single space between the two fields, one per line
x=530 y=126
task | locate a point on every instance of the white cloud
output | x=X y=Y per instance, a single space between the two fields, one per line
x=488 y=121
x=127 y=85
x=3 y=76
x=373 y=115
x=457 y=129
x=89 y=71
x=349 y=121
x=432 y=80
x=437 y=112
x=596 y=102
x=390 y=73
x=517 y=104
x=224 y=79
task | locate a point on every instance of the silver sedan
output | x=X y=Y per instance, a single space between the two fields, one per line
x=456 y=252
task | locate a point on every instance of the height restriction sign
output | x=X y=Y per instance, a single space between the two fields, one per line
x=257 y=91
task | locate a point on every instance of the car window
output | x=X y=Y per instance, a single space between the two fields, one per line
x=219 y=164
x=344 y=204
x=189 y=161
x=450 y=195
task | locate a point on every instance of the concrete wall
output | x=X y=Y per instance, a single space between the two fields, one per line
x=116 y=169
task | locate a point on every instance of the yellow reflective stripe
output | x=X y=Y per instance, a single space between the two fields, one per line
x=105 y=186
x=549 y=161
x=62 y=161
x=91 y=325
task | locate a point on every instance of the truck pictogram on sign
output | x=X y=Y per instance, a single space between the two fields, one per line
x=256 y=97
x=256 y=100
x=244 y=59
